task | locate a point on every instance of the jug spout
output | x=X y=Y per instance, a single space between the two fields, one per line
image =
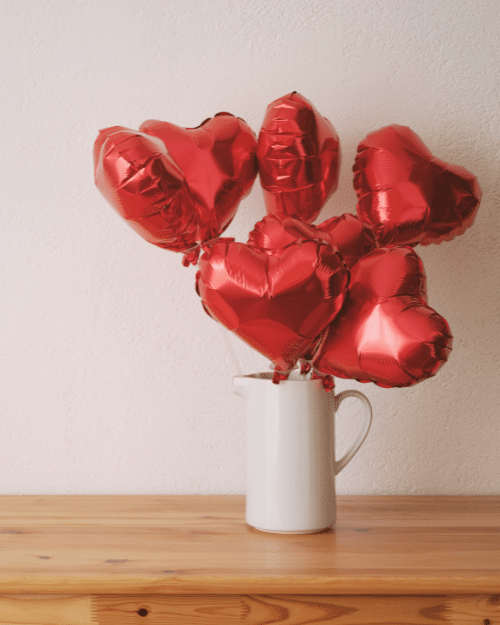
x=240 y=386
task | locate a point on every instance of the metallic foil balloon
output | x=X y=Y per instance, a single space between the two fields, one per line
x=408 y=195
x=177 y=187
x=352 y=237
x=298 y=157
x=347 y=234
x=278 y=303
x=273 y=233
x=386 y=333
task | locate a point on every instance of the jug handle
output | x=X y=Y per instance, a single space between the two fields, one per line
x=348 y=456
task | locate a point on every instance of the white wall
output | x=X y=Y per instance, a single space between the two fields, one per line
x=113 y=379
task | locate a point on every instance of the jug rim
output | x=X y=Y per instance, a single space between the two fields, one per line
x=295 y=376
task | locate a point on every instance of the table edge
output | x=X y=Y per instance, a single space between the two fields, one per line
x=221 y=585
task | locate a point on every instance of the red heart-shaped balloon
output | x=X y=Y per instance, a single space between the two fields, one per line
x=278 y=303
x=298 y=157
x=350 y=235
x=347 y=234
x=408 y=195
x=177 y=187
x=385 y=333
x=274 y=233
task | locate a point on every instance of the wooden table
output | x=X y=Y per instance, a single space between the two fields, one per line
x=192 y=560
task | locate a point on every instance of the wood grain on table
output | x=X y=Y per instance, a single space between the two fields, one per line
x=201 y=544
x=123 y=560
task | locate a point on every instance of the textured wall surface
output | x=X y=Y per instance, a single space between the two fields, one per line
x=113 y=379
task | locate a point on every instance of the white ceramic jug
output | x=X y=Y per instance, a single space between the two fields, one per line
x=290 y=444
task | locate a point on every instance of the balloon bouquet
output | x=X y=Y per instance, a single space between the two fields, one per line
x=346 y=297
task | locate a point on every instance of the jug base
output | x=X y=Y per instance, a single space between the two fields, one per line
x=324 y=529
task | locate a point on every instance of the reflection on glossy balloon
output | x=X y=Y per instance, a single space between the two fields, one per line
x=177 y=187
x=278 y=303
x=408 y=195
x=298 y=157
x=273 y=233
x=347 y=234
x=352 y=237
x=386 y=333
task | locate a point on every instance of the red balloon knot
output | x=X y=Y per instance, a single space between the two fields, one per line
x=279 y=376
x=326 y=380
x=191 y=258
x=328 y=383
x=305 y=367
